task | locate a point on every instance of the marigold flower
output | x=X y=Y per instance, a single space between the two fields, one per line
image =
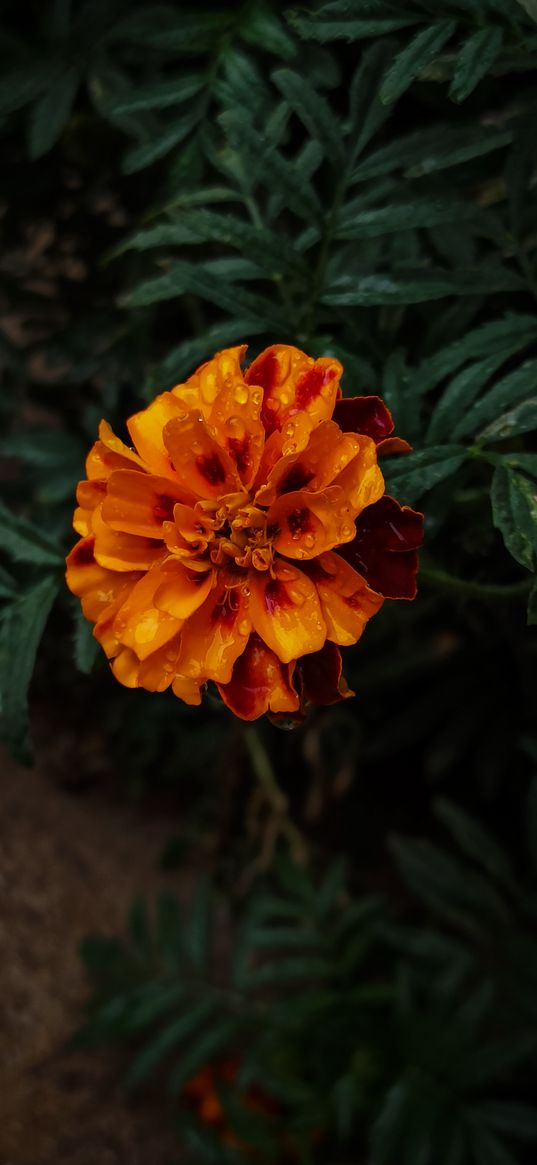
x=245 y=537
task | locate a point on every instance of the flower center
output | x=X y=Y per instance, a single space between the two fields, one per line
x=235 y=533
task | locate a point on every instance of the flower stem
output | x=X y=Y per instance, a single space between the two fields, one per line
x=441 y=580
x=272 y=794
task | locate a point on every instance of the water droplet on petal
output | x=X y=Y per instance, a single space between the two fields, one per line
x=289 y=430
x=236 y=428
x=256 y=397
x=243 y=627
x=240 y=394
x=309 y=541
x=346 y=530
x=284 y=398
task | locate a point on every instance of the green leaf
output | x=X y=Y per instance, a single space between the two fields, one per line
x=22 y=626
x=147 y=1062
x=322 y=28
x=183 y=277
x=51 y=113
x=313 y=110
x=429 y=151
x=506 y=335
x=86 y=649
x=459 y=394
x=21 y=86
x=521 y=419
x=476 y=57
x=476 y=842
x=366 y=111
x=263 y=29
x=417 y=286
x=413 y=475
x=353 y=223
x=530 y=6
x=25 y=543
x=413 y=59
x=269 y=166
x=161 y=95
x=187 y=32
x=506 y=393
x=8 y=585
x=514 y=513
x=207 y=1047
x=148 y=152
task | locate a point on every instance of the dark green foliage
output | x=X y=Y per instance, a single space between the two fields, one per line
x=356 y=177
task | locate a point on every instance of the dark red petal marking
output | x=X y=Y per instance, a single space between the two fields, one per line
x=226 y=610
x=384 y=549
x=264 y=372
x=310 y=384
x=164 y=507
x=239 y=450
x=364 y=414
x=297 y=477
x=299 y=521
x=253 y=680
x=276 y=596
x=83 y=553
x=210 y=465
x=321 y=676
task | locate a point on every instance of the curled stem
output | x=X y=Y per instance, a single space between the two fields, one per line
x=280 y=823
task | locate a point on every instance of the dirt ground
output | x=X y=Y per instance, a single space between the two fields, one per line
x=61 y=852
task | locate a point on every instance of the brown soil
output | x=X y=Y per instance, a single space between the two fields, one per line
x=69 y=864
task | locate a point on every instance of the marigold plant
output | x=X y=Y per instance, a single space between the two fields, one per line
x=246 y=537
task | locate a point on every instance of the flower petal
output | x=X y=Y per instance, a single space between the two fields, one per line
x=146 y=429
x=139 y=624
x=364 y=414
x=361 y=480
x=215 y=636
x=321 y=677
x=347 y=603
x=117 y=551
x=93 y=584
x=384 y=549
x=259 y=683
x=182 y=591
x=157 y=672
x=294 y=383
x=109 y=453
x=187 y=689
x=126 y=668
x=286 y=612
x=327 y=453
x=138 y=503
x=198 y=461
x=393 y=445
x=304 y=525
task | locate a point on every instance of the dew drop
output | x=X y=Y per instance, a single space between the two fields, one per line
x=240 y=394
x=243 y=626
x=245 y=591
x=309 y=541
x=257 y=397
x=346 y=530
x=284 y=398
x=236 y=428
x=289 y=430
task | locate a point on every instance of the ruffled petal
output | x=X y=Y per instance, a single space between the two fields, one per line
x=322 y=679
x=259 y=683
x=187 y=689
x=364 y=414
x=139 y=624
x=327 y=453
x=199 y=463
x=157 y=672
x=109 y=453
x=230 y=407
x=182 y=591
x=393 y=445
x=304 y=525
x=215 y=636
x=347 y=603
x=361 y=480
x=117 y=551
x=147 y=427
x=139 y=503
x=286 y=612
x=96 y=586
x=384 y=549
x=126 y=667
x=294 y=383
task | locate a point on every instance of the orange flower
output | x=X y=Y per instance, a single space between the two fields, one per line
x=245 y=537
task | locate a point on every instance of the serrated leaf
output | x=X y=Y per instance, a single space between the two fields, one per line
x=25 y=543
x=23 y=623
x=145 y=154
x=313 y=111
x=86 y=649
x=161 y=95
x=413 y=475
x=51 y=113
x=323 y=28
x=354 y=223
x=366 y=111
x=514 y=513
x=459 y=394
x=476 y=57
x=263 y=29
x=183 y=277
x=507 y=393
x=506 y=335
x=417 y=286
x=521 y=419
x=150 y=1059
x=427 y=151
x=186 y=33
x=413 y=59
x=269 y=166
